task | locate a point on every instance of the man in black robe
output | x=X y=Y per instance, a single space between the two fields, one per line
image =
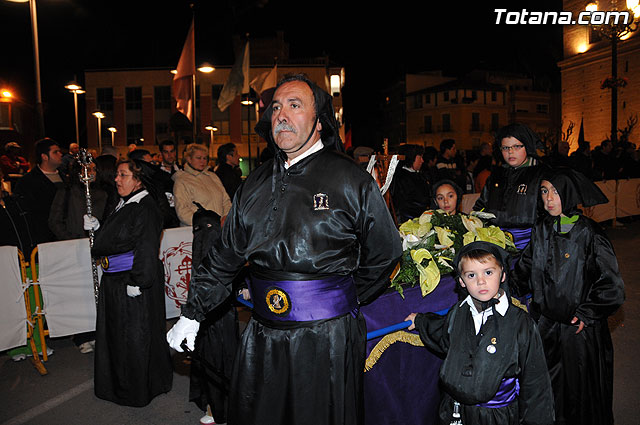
x=228 y=168
x=319 y=241
x=410 y=191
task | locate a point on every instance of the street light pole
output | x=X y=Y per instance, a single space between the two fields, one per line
x=113 y=131
x=76 y=90
x=99 y=115
x=36 y=60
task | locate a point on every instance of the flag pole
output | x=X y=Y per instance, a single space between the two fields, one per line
x=193 y=85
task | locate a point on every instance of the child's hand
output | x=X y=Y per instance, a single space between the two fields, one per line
x=580 y=326
x=411 y=317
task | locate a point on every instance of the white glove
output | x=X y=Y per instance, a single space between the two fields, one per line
x=184 y=328
x=133 y=291
x=90 y=222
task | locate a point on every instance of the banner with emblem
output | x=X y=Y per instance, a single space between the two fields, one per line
x=175 y=254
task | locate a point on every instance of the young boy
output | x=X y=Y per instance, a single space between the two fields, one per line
x=571 y=269
x=494 y=372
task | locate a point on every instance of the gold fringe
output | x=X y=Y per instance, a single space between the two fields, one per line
x=516 y=302
x=386 y=341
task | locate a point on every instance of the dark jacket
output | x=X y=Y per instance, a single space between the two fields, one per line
x=231 y=178
x=36 y=192
x=68 y=208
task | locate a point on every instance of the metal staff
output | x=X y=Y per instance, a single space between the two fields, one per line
x=85 y=158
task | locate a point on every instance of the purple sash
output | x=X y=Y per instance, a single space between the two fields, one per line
x=508 y=391
x=117 y=263
x=303 y=300
x=521 y=237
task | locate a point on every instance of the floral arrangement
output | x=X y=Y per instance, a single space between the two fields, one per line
x=431 y=241
x=610 y=82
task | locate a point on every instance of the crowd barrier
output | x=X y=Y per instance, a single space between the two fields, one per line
x=66 y=278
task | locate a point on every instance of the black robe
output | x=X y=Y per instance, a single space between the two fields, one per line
x=512 y=194
x=323 y=216
x=470 y=374
x=132 y=360
x=574 y=274
x=411 y=194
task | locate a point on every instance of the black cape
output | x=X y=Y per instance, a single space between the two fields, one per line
x=512 y=194
x=132 y=360
x=574 y=274
x=470 y=374
x=410 y=193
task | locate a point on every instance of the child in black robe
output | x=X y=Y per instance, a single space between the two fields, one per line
x=576 y=285
x=494 y=372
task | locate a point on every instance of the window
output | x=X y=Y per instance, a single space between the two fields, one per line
x=133 y=98
x=162 y=97
x=495 y=122
x=162 y=129
x=475 y=121
x=445 y=96
x=446 y=122
x=428 y=125
x=104 y=97
x=427 y=98
x=494 y=96
x=594 y=35
x=417 y=101
x=474 y=95
x=542 y=108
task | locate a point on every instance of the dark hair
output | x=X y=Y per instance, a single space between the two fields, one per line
x=223 y=151
x=446 y=144
x=133 y=167
x=410 y=153
x=479 y=255
x=42 y=148
x=484 y=163
x=138 y=154
x=302 y=77
x=106 y=169
x=430 y=153
x=167 y=142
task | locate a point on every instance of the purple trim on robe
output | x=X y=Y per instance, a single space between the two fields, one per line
x=521 y=237
x=118 y=263
x=304 y=300
x=507 y=392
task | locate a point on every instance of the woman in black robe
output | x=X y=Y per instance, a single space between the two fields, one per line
x=132 y=361
x=576 y=285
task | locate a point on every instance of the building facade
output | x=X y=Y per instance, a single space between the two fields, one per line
x=139 y=104
x=587 y=63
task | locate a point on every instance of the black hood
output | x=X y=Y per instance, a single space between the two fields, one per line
x=574 y=189
x=324 y=108
x=524 y=134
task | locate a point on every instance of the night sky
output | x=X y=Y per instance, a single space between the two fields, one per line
x=375 y=44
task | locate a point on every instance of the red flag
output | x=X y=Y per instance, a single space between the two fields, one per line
x=183 y=79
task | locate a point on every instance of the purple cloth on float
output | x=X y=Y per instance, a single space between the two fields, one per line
x=304 y=300
x=119 y=262
x=507 y=392
x=402 y=387
x=521 y=237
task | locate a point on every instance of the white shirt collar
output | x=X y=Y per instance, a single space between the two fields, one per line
x=410 y=169
x=317 y=146
x=479 y=317
x=135 y=198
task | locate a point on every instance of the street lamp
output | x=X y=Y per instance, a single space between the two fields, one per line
x=113 y=131
x=99 y=115
x=211 y=128
x=615 y=30
x=36 y=63
x=76 y=90
x=206 y=68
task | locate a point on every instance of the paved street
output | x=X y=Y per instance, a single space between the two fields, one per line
x=65 y=395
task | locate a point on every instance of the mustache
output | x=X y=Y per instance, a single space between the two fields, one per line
x=283 y=126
